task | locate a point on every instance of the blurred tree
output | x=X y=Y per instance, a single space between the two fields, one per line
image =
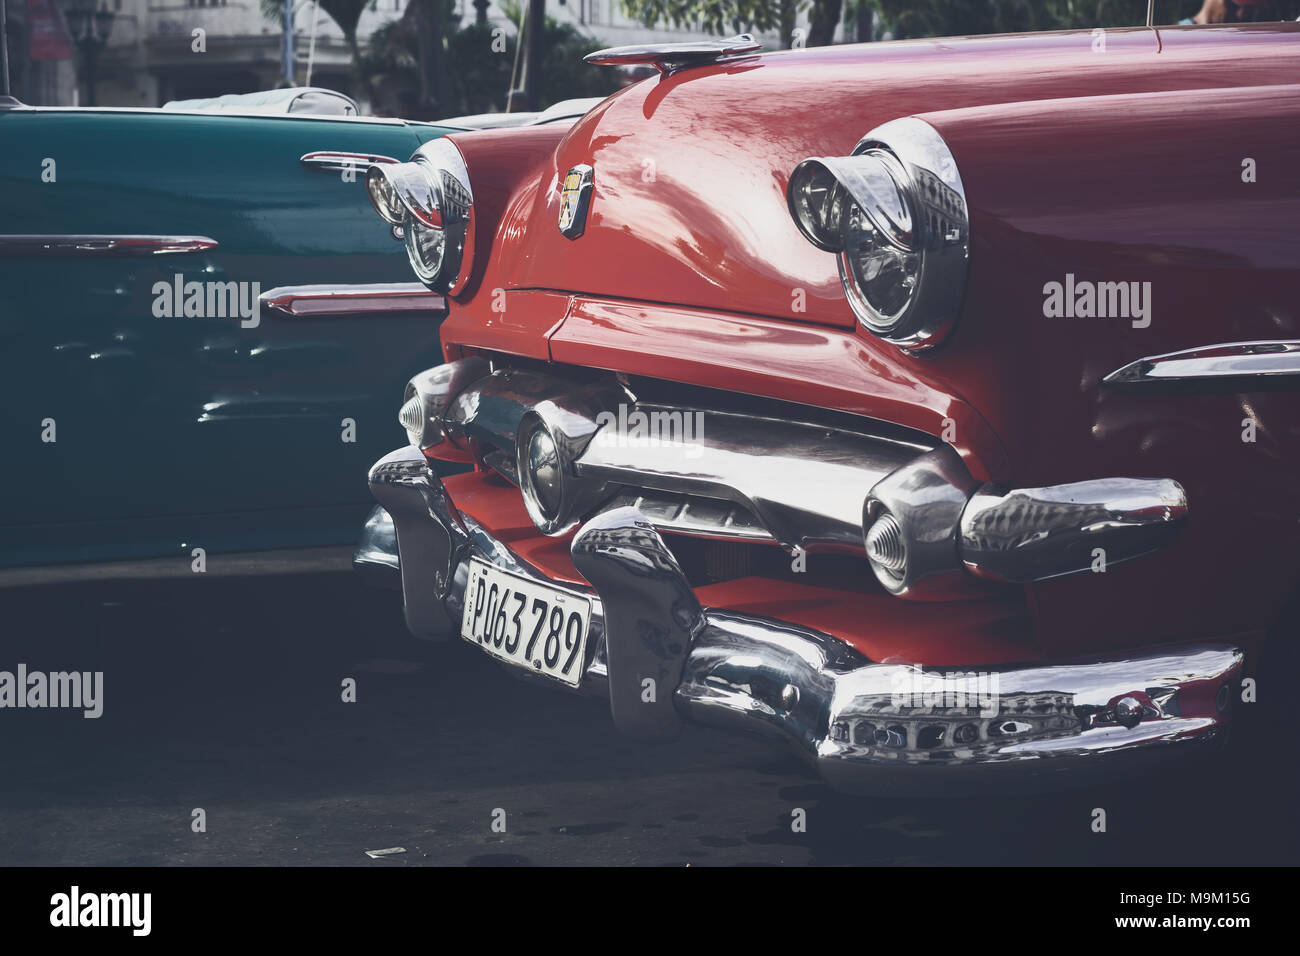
x=922 y=18
x=785 y=14
x=479 y=58
x=901 y=19
x=346 y=13
x=723 y=16
x=432 y=18
x=928 y=18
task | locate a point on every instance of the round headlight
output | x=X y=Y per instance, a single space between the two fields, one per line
x=426 y=248
x=430 y=199
x=383 y=196
x=541 y=477
x=895 y=213
x=397 y=190
x=817 y=202
x=548 y=444
x=543 y=469
x=879 y=278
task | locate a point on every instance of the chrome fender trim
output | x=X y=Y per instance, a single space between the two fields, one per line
x=105 y=246
x=1229 y=363
x=378 y=297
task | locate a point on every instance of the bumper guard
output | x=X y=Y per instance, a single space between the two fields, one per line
x=867 y=727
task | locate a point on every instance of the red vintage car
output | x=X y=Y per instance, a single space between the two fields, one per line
x=927 y=405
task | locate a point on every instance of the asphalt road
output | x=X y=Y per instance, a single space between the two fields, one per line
x=224 y=693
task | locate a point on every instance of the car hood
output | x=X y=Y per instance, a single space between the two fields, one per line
x=690 y=169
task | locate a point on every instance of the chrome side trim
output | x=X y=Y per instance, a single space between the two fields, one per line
x=95 y=246
x=1266 y=359
x=385 y=297
x=670 y=57
x=1032 y=534
x=867 y=727
x=338 y=161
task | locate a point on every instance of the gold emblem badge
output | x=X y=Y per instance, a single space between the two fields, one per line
x=575 y=198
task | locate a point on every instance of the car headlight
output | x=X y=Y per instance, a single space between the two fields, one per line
x=541 y=478
x=550 y=439
x=430 y=198
x=894 y=212
x=427 y=250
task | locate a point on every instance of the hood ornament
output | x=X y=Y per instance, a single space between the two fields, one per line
x=670 y=57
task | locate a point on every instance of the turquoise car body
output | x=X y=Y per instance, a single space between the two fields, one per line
x=131 y=429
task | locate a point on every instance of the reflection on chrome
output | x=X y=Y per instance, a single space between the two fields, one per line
x=1031 y=534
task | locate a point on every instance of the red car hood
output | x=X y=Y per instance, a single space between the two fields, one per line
x=690 y=170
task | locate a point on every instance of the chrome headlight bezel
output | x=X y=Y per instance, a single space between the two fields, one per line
x=549 y=518
x=901 y=184
x=568 y=427
x=431 y=193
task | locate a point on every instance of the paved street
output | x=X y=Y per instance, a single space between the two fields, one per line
x=223 y=693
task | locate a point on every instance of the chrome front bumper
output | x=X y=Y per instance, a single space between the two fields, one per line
x=868 y=728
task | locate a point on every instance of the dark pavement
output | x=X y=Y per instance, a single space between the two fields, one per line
x=224 y=692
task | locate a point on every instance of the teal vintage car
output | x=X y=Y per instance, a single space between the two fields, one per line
x=202 y=327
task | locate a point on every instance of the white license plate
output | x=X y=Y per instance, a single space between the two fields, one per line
x=536 y=626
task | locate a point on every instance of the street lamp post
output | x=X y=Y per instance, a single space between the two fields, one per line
x=535 y=35
x=89 y=23
x=287 y=55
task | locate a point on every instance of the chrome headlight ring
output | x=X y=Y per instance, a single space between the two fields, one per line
x=551 y=437
x=894 y=212
x=430 y=198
